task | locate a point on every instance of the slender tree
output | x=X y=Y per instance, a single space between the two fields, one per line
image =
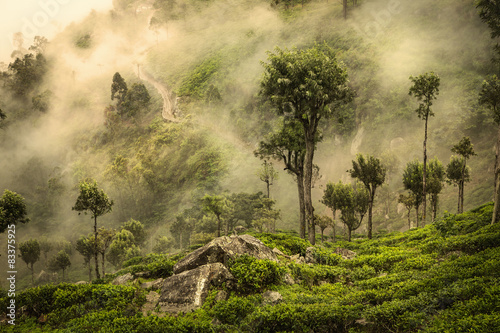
x=268 y=175
x=435 y=180
x=104 y=240
x=308 y=85
x=465 y=149
x=85 y=246
x=371 y=173
x=409 y=202
x=323 y=222
x=412 y=180
x=425 y=88
x=95 y=201
x=330 y=200
x=30 y=254
x=215 y=204
x=490 y=96
x=12 y=210
x=456 y=175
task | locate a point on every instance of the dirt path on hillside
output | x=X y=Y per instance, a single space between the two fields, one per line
x=169 y=109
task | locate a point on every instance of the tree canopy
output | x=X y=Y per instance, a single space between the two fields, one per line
x=12 y=210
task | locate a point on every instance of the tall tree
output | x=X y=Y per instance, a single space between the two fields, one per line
x=457 y=175
x=12 y=210
x=490 y=96
x=371 y=173
x=412 y=180
x=425 y=88
x=308 y=85
x=435 y=181
x=30 y=254
x=95 y=201
x=268 y=175
x=490 y=14
x=465 y=149
x=288 y=145
x=119 y=91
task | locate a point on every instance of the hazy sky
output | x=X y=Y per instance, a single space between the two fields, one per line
x=40 y=17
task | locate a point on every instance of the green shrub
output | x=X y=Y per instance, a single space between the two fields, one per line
x=325 y=257
x=235 y=309
x=313 y=275
x=288 y=244
x=254 y=274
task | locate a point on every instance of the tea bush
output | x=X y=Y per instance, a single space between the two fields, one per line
x=253 y=274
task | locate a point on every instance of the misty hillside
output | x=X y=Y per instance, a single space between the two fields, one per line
x=191 y=116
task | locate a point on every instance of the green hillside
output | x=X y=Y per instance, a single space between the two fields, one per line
x=171 y=141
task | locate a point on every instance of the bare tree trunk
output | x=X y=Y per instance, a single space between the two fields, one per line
x=497 y=182
x=95 y=250
x=333 y=226
x=218 y=226
x=32 y=275
x=308 y=164
x=370 y=210
x=409 y=221
x=424 y=173
x=90 y=271
x=416 y=208
x=267 y=182
x=349 y=232
x=302 y=207
x=103 y=270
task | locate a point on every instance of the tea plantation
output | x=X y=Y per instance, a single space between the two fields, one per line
x=440 y=278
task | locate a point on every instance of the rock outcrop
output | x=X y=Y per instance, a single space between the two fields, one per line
x=222 y=249
x=187 y=291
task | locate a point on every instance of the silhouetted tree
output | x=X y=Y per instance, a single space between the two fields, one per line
x=409 y=202
x=412 y=180
x=30 y=254
x=465 y=149
x=267 y=174
x=435 y=179
x=425 y=88
x=85 y=246
x=60 y=261
x=95 y=201
x=353 y=202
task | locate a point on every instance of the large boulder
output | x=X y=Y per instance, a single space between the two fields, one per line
x=223 y=248
x=187 y=291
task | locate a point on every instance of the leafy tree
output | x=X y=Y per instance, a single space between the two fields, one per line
x=353 y=202
x=465 y=149
x=85 y=246
x=118 y=90
x=28 y=73
x=104 y=239
x=245 y=205
x=266 y=216
x=217 y=205
x=323 y=222
x=136 y=98
x=457 y=175
x=436 y=175
x=92 y=199
x=425 y=88
x=30 y=254
x=490 y=14
x=12 y=210
x=409 y=202
x=137 y=229
x=307 y=85
x=288 y=145
x=122 y=248
x=60 y=261
x=412 y=180
x=490 y=96
x=267 y=174
x=371 y=173
x=331 y=200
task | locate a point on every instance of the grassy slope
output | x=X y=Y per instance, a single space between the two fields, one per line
x=442 y=278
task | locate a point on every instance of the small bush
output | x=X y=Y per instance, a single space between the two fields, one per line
x=254 y=274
